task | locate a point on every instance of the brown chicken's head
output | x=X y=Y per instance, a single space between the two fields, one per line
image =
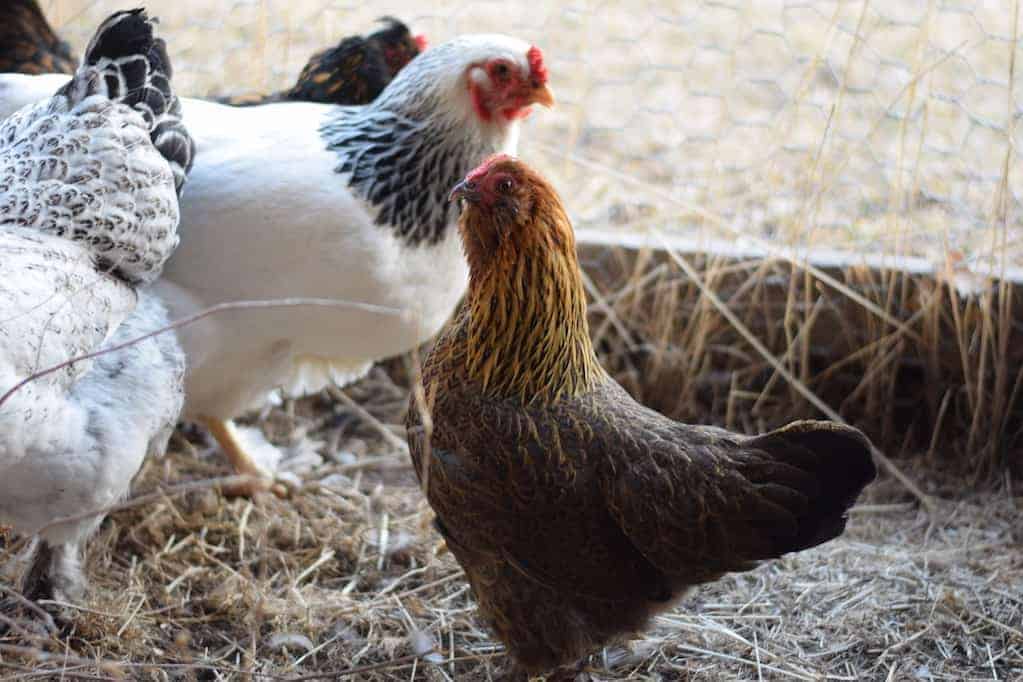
x=508 y=209
x=526 y=301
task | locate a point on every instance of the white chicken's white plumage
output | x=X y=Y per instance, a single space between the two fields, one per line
x=88 y=214
x=302 y=199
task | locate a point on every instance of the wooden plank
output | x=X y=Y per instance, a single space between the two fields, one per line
x=821 y=257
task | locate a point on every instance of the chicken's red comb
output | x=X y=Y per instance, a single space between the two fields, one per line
x=537 y=69
x=421 y=42
x=484 y=167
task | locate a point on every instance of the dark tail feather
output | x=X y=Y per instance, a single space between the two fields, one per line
x=835 y=463
x=136 y=70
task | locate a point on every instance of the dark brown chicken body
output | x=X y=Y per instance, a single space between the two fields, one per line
x=576 y=512
x=354 y=72
x=27 y=42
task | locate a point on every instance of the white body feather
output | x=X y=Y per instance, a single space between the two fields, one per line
x=267 y=216
x=301 y=234
x=71 y=441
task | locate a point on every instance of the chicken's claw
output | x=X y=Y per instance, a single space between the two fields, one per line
x=240 y=451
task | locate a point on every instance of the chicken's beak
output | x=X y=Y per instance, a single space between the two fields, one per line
x=542 y=95
x=466 y=189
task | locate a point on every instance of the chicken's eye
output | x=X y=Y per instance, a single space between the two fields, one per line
x=501 y=70
x=505 y=186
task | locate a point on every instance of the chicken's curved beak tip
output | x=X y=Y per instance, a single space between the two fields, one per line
x=543 y=96
x=466 y=189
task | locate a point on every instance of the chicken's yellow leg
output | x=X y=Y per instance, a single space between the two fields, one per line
x=226 y=435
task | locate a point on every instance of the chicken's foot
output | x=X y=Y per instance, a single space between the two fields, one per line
x=261 y=479
x=19 y=612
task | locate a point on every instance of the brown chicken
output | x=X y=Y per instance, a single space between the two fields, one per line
x=28 y=44
x=576 y=512
x=353 y=72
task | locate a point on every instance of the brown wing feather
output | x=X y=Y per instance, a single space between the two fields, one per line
x=352 y=73
x=699 y=502
x=27 y=42
x=642 y=504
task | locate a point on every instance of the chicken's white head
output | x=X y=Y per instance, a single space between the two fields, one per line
x=504 y=87
x=492 y=78
x=451 y=107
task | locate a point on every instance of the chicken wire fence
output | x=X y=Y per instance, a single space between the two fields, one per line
x=870 y=126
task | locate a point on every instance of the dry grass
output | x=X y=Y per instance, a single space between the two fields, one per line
x=348 y=578
x=793 y=133
x=924 y=367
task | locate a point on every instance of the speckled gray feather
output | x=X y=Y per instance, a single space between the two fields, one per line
x=88 y=173
x=89 y=183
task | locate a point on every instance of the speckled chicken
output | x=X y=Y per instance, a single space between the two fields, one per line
x=89 y=183
x=576 y=512
x=27 y=42
x=353 y=72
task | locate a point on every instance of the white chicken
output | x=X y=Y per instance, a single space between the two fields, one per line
x=301 y=199
x=89 y=183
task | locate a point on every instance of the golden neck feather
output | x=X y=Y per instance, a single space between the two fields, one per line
x=525 y=322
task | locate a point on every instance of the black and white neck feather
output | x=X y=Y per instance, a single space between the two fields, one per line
x=405 y=151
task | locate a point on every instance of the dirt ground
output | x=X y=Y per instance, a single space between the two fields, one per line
x=348 y=580
x=763 y=119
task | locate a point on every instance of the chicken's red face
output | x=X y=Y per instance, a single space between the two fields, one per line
x=492 y=205
x=503 y=90
x=494 y=185
x=508 y=209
